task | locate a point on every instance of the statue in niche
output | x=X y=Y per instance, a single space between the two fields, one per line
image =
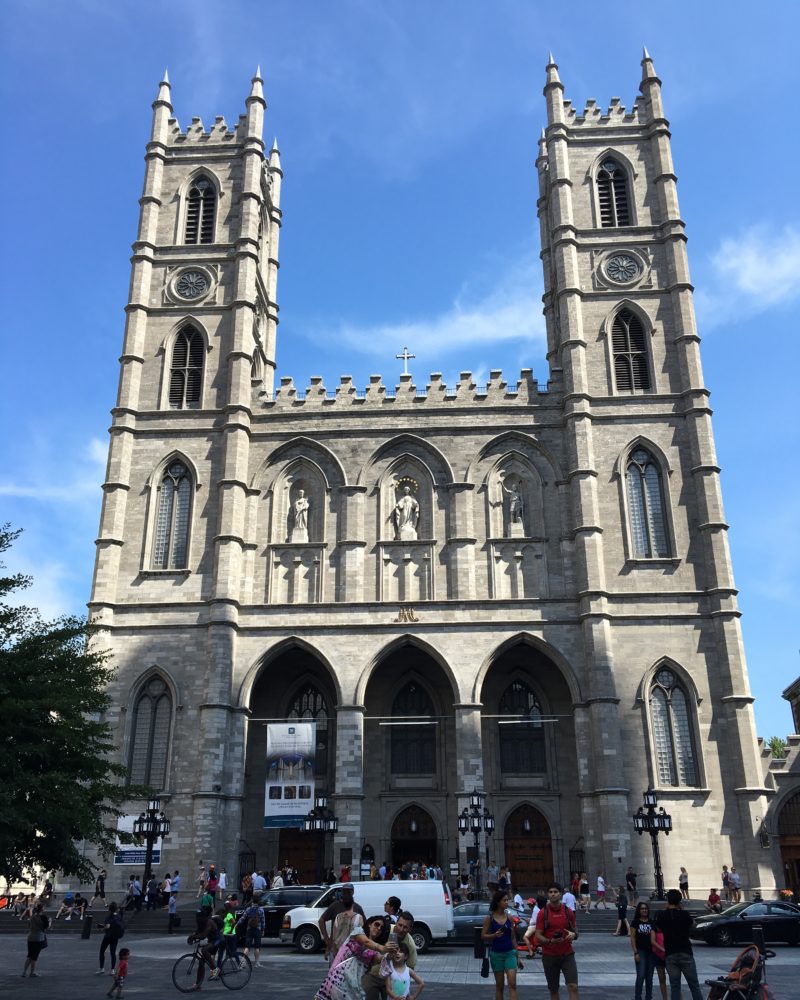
x=406 y=515
x=516 y=506
x=299 y=532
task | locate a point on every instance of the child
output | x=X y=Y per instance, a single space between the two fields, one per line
x=399 y=976
x=121 y=973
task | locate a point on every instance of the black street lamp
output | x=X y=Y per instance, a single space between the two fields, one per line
x=150 y=826
x=476 y=817
x=647 y=820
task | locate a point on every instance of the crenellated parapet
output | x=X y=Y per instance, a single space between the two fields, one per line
x=525 y=391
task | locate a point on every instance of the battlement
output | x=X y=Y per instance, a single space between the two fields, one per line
x=525 y=392
x=616 y=114
x=197 y=134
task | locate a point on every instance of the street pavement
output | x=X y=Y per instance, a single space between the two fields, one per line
x=67 y=969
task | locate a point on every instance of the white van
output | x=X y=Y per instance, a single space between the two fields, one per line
x=429 y=900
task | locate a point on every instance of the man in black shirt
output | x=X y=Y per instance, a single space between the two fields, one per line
x=675 y=924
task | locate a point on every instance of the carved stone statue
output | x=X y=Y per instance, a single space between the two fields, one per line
x=516 y=507
x=406 y=515
x=299 y=532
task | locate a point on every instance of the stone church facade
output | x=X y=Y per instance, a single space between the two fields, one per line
x=522 y=588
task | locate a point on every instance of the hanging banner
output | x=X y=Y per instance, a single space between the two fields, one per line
x=289 y=792
x=133 y=854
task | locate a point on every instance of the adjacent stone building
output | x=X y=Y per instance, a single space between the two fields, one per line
x=522 y=588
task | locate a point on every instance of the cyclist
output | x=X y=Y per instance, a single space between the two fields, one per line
x=212 y=933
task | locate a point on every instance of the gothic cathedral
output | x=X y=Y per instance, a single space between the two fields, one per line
x=521 y=589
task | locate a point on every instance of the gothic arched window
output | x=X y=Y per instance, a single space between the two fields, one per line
x=413 y=745
x=646 y=513
x=673 y=739
x=152 y=722
x=201 y=209
x=186 y=370
x=173 y=510
x=612 y=194
x=522 y=746
x=629 y=346
x=309 y=705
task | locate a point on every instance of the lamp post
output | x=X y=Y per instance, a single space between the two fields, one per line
x=322 y=820
x=648 y=820
x=150 y=826
x=476 y=817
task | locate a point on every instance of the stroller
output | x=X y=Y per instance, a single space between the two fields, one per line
x=747 y=978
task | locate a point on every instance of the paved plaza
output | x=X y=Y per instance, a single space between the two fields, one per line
x=605 y=964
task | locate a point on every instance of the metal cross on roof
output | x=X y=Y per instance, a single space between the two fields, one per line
x=405 y=357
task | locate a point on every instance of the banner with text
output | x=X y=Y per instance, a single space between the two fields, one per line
x=133 y=854
x=289 y=792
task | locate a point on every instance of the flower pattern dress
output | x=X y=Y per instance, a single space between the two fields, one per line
x=343 y=981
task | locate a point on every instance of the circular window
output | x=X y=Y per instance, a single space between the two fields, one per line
x=623 y=268
x=192 y=284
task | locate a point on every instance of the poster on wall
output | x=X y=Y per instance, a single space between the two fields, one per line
x=133 y=854
x=289 y=792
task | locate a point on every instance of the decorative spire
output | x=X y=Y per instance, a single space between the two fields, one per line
x=648 y=70
x=164 y=95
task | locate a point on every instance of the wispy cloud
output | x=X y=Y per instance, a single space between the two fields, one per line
x=750 y=273
x=508 y=311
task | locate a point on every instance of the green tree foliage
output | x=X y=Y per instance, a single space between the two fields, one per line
x=777 y=746
x=60 y=789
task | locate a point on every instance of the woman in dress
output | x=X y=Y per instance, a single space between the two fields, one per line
x=644 y=957
x=37 y=938
x=353 y=959
x=498 y=934
x=683 y=883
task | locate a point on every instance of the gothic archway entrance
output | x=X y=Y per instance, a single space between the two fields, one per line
x=789 y=833
x=529 y=849
x=413 y=837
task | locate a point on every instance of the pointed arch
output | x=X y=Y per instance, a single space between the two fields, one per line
x=170 y=511
x=612 y=176
x=670 y=703
x=539 y=645
x=153 y=705
x=643 y=471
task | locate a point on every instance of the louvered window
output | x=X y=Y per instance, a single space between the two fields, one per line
x=186 y=370
x=646 y=507
x=413 y=746
x=309 y=705
x=172 y=518
x=631 y=364
x=152 y=721
x=522 y=748
x=676 y=758
x=201 y=209
x=612 y=193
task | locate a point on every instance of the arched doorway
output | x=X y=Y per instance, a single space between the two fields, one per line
x=529 y=849
x=413 y=837
x=789 y=833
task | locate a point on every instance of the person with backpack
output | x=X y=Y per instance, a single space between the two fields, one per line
x=252 y=919
x=555 y=932
x=113 y=930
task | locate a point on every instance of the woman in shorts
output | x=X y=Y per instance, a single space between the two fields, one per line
x=499 y=936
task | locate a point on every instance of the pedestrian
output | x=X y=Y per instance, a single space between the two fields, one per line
x=643 y=955
x=735 y=880
x=121 y=973
x=37 y=939
x=499 y=936
x=555 y=932
x=676 y=925
x=630 y=883
x=113 y=930
x=622 y=928
x=601 y=893
x=252 y=919
x=99 y=888
x=683 y=882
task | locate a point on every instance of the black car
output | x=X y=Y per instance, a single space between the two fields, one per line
x=278 y=902
x=468 y=916
x=781 y=922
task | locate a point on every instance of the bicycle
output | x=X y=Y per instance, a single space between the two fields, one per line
x=234 y=971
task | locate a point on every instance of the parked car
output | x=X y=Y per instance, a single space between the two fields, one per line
x=429 y=900
x=278 y=902
x=781 y=922
x=467 y=916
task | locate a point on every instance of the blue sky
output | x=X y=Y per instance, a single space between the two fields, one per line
x=408 y=135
